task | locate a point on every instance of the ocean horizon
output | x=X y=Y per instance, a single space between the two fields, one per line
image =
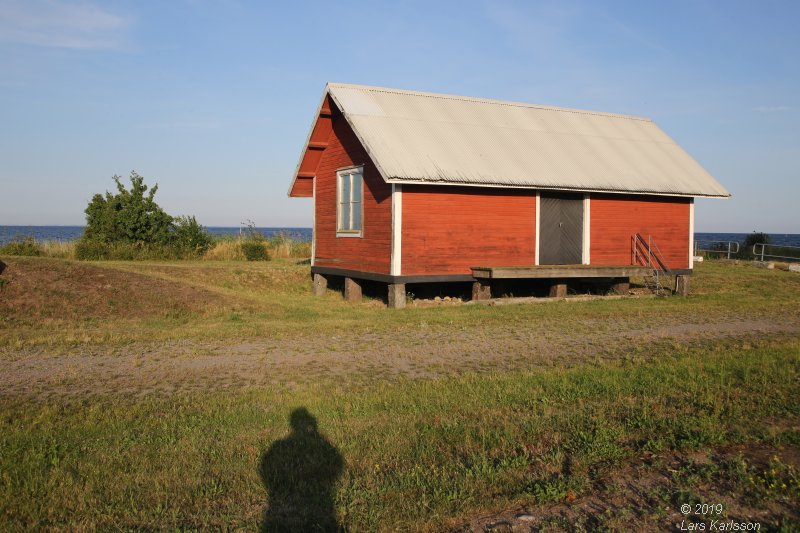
x=70 y=233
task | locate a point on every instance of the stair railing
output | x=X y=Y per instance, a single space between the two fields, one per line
x=645 y=252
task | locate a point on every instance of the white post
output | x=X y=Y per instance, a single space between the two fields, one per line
x=586 y=229
x=396 y=266
x=313 y=219
x=691 y=233
x=538 y=219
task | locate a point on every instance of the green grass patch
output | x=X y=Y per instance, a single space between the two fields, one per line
x=411 y=455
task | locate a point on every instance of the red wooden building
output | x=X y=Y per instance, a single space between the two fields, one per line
x=414 y=187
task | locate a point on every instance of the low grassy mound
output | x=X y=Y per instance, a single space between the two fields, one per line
x=41 y=290
x=277 y=278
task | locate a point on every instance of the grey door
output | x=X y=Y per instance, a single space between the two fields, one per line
x=561 y=229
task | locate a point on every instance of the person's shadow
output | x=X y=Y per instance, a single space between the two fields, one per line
x=299 y=473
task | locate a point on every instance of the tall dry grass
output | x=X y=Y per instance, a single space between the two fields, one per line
x=280 y=245
x=230 y=249
x=225 y=250
x=58 y=249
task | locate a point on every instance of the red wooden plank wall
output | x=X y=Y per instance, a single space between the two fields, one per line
x=321 y=132
x=614 y=219
x=302 y=188
x=371 y=252
x=447 y=230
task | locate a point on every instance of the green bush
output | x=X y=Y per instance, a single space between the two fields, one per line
x=190 y=236
x=254 y=246
x=746 y=250
x=130 y=225
x=255 y=250
x=22 y=246
x=128 y=216
x=87 y=250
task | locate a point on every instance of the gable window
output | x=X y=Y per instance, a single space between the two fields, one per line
x=349 y=199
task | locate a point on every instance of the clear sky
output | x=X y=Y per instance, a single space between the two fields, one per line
x=213 y=99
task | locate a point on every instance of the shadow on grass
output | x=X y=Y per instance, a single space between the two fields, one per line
x=299 y=473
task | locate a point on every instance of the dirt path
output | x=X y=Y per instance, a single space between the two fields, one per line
x=166 y=368
x=645 y=494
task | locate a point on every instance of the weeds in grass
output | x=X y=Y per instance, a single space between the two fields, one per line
x=777 y=481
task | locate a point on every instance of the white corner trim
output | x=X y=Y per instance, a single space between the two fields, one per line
x=538 y=219
x=587 y=234
x=691 y=233
x=313 y=219
x=397 y=230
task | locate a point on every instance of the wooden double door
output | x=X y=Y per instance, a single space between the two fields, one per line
x=561 y=229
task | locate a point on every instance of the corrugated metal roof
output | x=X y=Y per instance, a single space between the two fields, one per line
x=440 y=139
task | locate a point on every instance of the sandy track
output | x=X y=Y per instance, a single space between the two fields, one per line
x=184 y=366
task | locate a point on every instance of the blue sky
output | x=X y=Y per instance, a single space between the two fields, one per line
x=213 y=99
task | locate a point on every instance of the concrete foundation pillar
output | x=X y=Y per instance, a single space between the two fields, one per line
x=352 y=290
x=558 y=290
x=621 y=286
x=397 y=295
x=682 y=285
x=481 y=290
x=320 y=285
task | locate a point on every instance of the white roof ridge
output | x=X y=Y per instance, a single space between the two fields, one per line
x=510 y=103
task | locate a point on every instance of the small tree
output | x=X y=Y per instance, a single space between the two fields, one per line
x=130 y=216
x=130 y=224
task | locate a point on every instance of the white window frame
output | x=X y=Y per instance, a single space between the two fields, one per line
x=340 y=175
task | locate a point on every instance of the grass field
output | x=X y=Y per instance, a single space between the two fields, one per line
x=160 y=396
